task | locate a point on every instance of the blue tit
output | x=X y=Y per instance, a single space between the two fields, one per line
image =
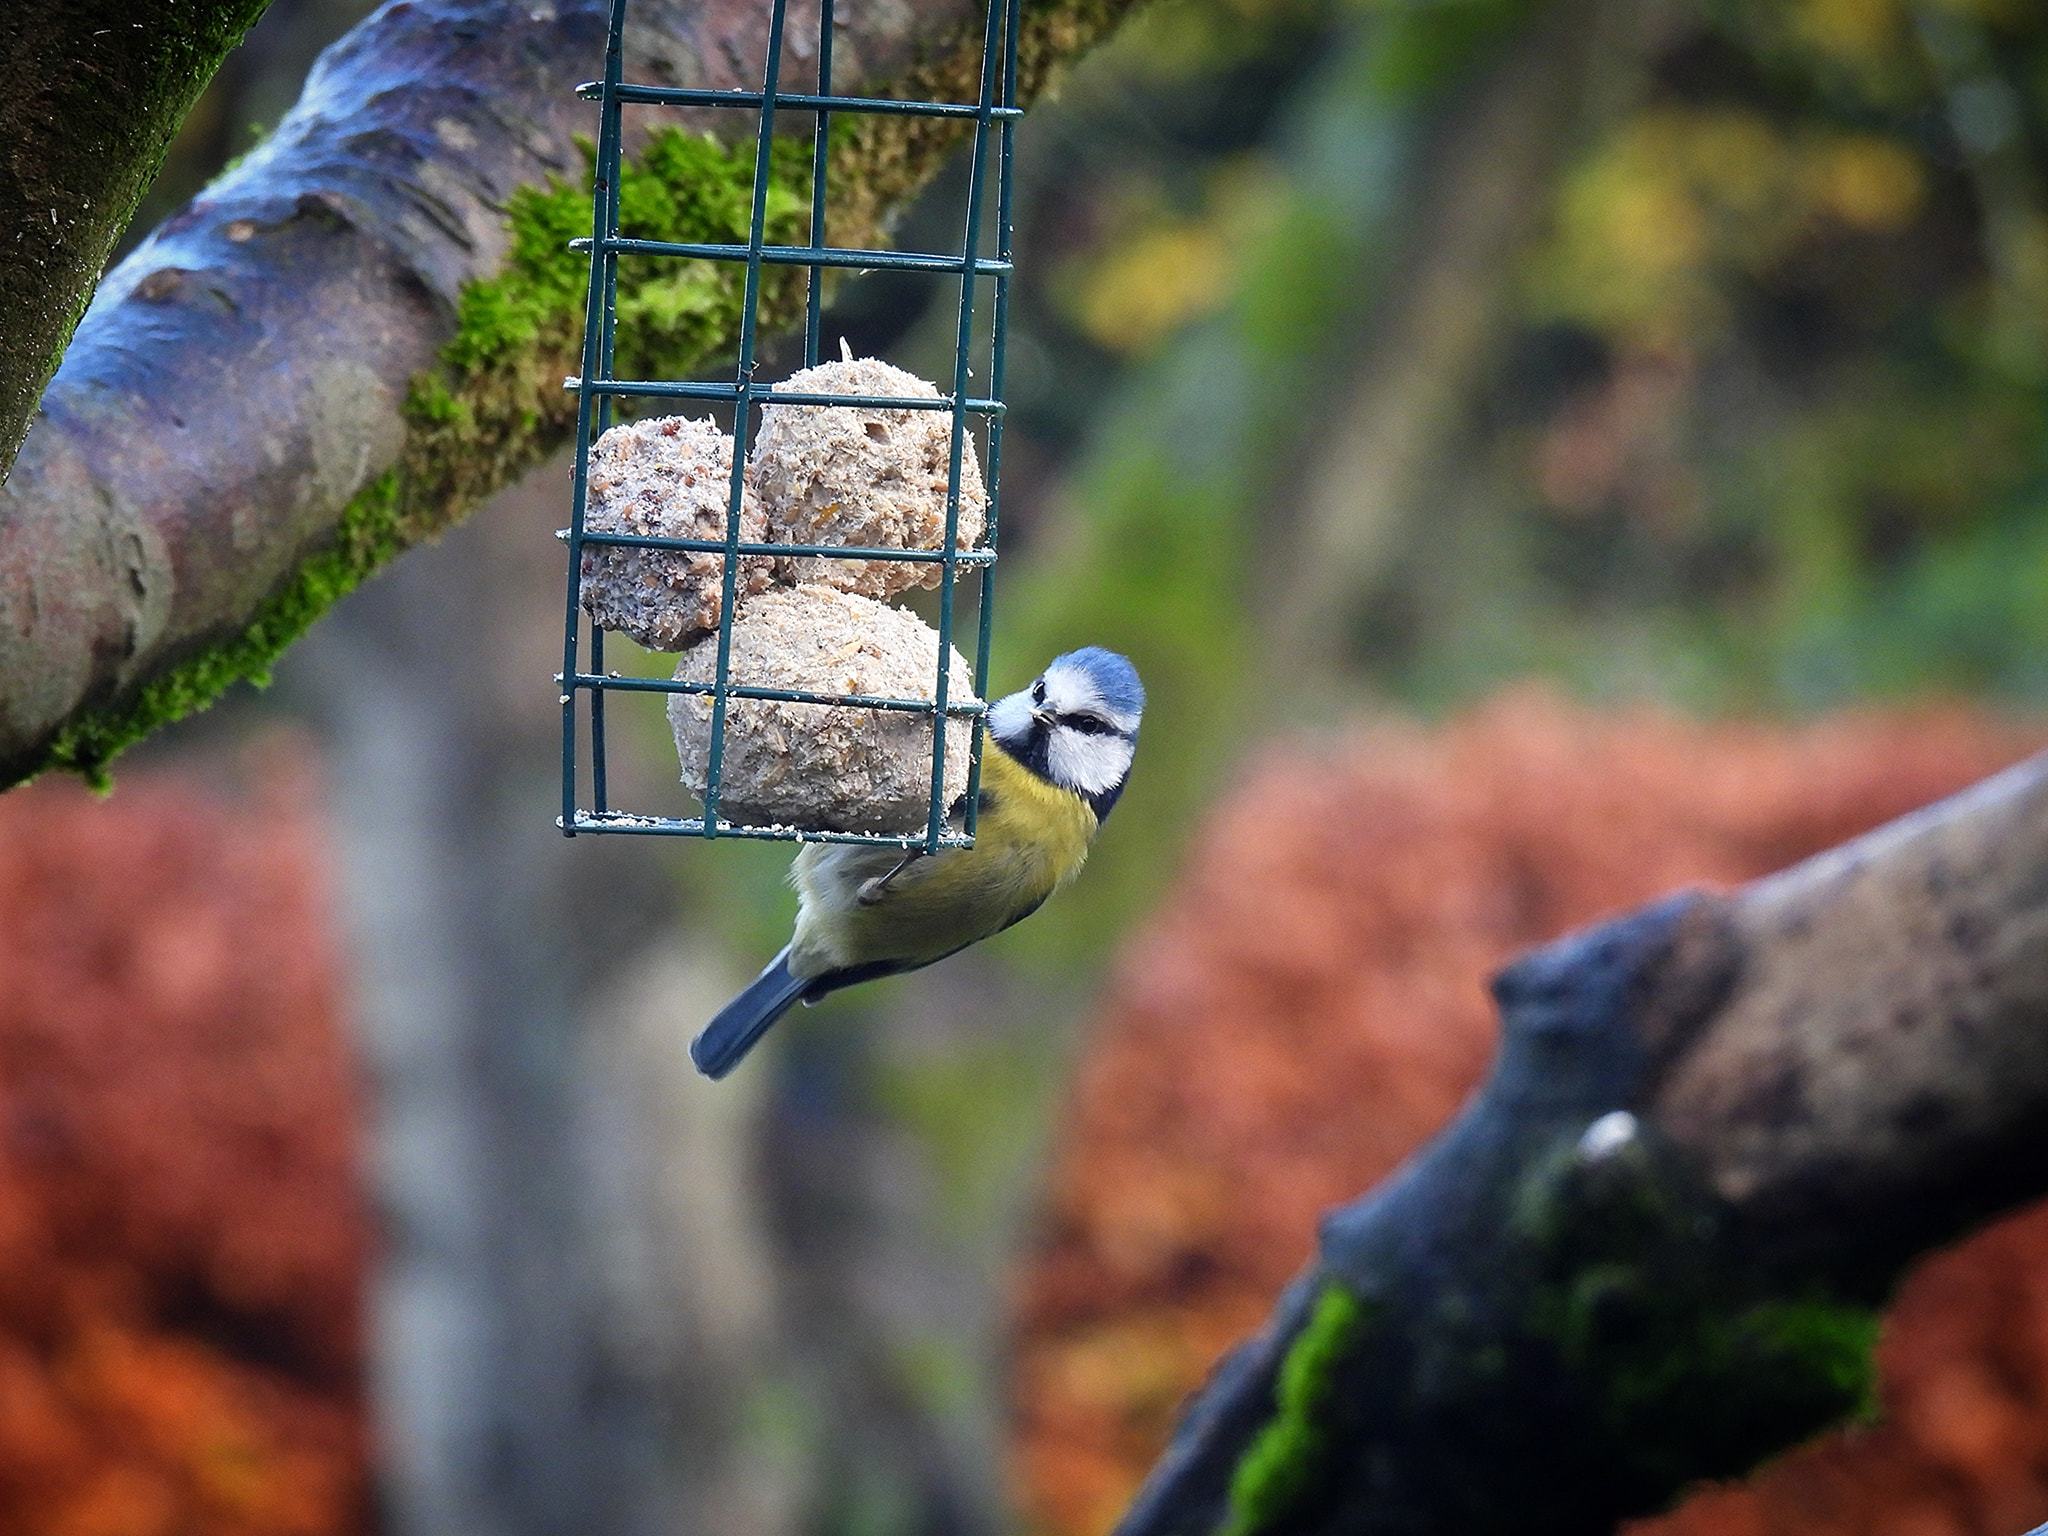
x=1055 y=759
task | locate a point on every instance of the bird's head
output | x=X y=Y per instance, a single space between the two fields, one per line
x=1077 y=724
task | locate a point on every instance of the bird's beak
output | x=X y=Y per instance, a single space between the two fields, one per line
x=1043 y=716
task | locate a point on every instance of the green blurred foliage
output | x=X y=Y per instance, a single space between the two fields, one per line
x=1763 y=429
x=1824 y=226
x=1167 y=508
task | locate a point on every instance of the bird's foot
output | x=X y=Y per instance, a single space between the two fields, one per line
x=871 y=891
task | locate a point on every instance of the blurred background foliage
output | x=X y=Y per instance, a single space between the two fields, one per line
x=1368 y=357
x=1754 y=423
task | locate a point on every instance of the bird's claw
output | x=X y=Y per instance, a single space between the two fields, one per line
x=872 y=890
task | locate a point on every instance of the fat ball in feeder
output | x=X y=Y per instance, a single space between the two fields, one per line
x=863 y=476
x=823 y=767
x=669 y=477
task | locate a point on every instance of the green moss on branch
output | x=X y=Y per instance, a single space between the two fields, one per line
x=496 y=404
x=368 y=535
x=1282 y=1466
x=1605 y=1344
x=1688 y=1361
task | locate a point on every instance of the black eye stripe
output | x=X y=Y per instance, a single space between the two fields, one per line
x=1088 y=725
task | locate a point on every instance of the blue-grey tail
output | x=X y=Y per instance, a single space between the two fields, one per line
x=746 y=1018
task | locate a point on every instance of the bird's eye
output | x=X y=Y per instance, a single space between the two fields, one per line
x=1038 y=691
x=1087 y=725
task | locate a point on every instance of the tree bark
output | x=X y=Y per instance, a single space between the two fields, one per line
x=91 y=94
x=1649 y=1250
x=306 y=370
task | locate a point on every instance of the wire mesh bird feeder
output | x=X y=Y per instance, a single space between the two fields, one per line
x=744 y=570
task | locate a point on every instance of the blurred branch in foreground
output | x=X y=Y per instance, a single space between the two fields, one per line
x=1647 y=1253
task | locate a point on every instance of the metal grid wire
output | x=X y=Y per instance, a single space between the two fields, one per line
x=597 y=388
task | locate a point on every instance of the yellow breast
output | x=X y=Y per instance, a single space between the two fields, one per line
x=1030 y=838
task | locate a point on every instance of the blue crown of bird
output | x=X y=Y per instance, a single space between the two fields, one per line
x=1056 y=758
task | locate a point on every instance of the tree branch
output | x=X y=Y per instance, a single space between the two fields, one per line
x=352 y=337
x=90 y=97
x=1647 y=1252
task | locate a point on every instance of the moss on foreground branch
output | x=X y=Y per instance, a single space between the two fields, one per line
x=1548 y=1322
x=494 y=406
x=1605 y=1346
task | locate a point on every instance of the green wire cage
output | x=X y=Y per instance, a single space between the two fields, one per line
x=585 y=681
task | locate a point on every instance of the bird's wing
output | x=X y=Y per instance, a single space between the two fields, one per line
x=875 y=970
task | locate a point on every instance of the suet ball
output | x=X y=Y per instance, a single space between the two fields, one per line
x=822 y=766
x=859 y=477
x=670 y=477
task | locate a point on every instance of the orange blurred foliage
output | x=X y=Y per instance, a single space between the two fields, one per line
x=182 y=1232
x=1311 y=1006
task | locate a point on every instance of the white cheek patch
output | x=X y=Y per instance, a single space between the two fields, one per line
x=1091 y=764
x=1009 y=718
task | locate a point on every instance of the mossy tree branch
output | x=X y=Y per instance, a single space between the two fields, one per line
x=1651 y=1249
x=353 y=336
x=91 y=93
